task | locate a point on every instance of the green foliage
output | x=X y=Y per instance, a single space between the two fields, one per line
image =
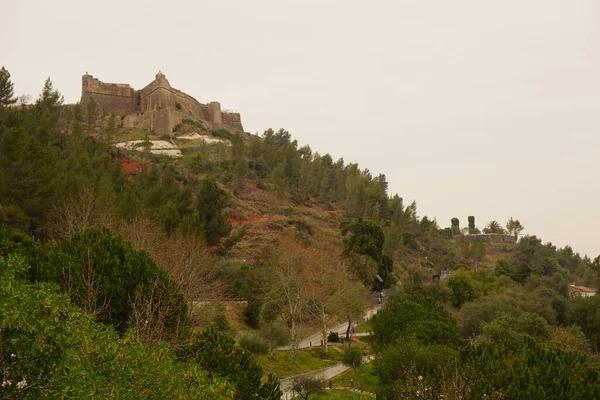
x=455 y=226
x=307 y=385
x=6 y=89
x=277 y=335
x=51 y=349
x=586 y=314
x=527 y=371
x=472 y=228
x=222 y=133
x=511 y=329
x=469 y=285
x=253 y=343
x=103 y=274
x=352 y=357
x=514 y=227
x=366 y=238
x=218 y=354
x=210 y=215
x=333 y=337
x=494 y=227
x=417 y=316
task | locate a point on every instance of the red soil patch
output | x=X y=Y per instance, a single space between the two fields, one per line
x=131 y=167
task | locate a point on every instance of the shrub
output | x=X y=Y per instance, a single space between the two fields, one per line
x=254 y=344
x=276 y=334
x=352 y=357
x=178 y=106
x=252 y=313
x=333 y=337
x=223 y=134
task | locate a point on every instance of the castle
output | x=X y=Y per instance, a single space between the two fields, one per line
x=158 y=107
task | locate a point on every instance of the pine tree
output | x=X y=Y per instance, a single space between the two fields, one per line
x=6 y=89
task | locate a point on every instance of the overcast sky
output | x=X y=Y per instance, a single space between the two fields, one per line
x=470 y=107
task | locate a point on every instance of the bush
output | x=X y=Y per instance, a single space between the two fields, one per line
x=417 y=316
x=252 y=313
x=178 y=106
x=223 y=134
x=333 y=337
x=276 y=334
x=254 y=344
x=352 y=357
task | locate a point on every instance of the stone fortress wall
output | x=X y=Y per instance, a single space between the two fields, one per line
x=117 y=97
x=492 y=237
x=157 y=107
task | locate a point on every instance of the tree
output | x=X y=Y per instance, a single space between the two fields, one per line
x=59 y=351
x=91 y=114
x=218 y=354
x=307 y=385
x=366 y=238
x=514 y=227
x=105 y=276
x=290 y=289
x=472 y=229
x=494 y=227
x=331 y=286
x=210 y=212
x=455 y=226
x=6 y=89
x=417 y=316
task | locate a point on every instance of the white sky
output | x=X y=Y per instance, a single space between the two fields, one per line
x=470 y=107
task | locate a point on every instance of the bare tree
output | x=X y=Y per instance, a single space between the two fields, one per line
x=79 y=213
x=150 y=310
x=187 y=260
x=290 y=286
x=333 y=291
x=87 y=293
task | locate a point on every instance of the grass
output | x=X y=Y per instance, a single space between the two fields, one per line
x=364 y=378
x=283 y=364
x=364 y=327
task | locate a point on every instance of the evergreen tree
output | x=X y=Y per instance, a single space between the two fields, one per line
x=210 y=212
x=6 y=89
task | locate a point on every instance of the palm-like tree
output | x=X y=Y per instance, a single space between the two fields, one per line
x=494 y=227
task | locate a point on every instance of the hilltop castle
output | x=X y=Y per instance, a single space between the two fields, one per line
x=158 y=107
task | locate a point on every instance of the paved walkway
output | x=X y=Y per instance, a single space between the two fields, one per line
x=315 y=340
x=323 y=375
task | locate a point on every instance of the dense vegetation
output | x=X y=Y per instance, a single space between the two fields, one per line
x=102 y=272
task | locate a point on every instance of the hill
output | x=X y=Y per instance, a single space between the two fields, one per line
x=265 y=240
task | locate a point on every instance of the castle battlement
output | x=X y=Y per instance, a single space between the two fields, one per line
x=157 y=107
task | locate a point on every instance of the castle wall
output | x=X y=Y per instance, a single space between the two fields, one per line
x=233 y=120
x=159 y=94
x=492 y=237
x=111 y=98
x=157 y=107
x=160 y=121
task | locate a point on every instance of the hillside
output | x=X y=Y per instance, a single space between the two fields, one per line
x=181 y=246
